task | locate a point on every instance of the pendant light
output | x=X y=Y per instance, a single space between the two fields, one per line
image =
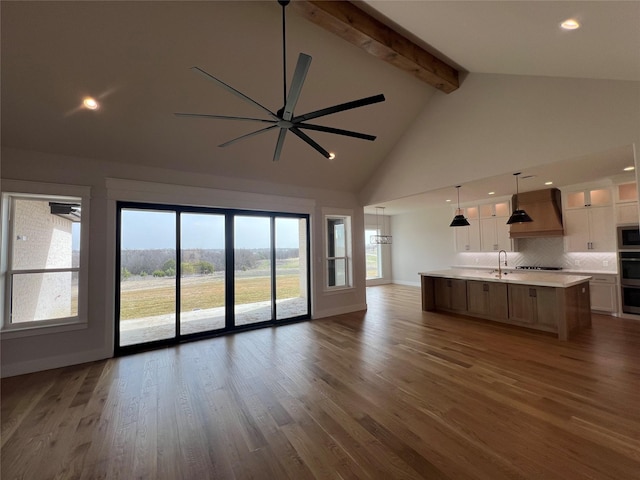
x=459 y=220
x=381 y=238
x=518 y=216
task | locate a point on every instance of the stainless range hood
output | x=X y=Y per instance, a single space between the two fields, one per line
x=545 y=208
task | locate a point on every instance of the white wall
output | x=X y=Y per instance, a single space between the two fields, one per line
x=422 y=241
x=496 y=124
x=21 y=355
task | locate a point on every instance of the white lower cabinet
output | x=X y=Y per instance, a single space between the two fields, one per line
x=604 y=293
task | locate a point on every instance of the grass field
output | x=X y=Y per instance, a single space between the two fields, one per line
x=157 y=296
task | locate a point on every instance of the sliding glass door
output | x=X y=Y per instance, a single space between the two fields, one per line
x=292 y=288
x=202 y=272
x=147 y=293
x=252 y=272
x=174 y=282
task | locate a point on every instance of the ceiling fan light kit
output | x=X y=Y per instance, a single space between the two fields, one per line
x=284 y=118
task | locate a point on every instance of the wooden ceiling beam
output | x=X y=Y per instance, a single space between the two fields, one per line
x=359 y=28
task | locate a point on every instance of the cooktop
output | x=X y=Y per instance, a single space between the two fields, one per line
x=535 y=267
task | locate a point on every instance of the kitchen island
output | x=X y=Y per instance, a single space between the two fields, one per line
x=551 y=302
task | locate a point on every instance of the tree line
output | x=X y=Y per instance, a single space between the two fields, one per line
x=161 y=262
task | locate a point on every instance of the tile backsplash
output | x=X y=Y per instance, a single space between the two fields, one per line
x=544 y=252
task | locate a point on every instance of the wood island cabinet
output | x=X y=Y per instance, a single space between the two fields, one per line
x=562 y=309
x=487 y=299
x=533 y=306
x=450 y=294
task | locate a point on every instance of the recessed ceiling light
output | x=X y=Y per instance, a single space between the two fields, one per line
x=448 y=200
x=90 y=103
x=570 y=24
x=629 y=169
x=491 y=193
x=548 y=183
x=332 y=156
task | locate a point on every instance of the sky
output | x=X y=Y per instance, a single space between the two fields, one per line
x=145 y=229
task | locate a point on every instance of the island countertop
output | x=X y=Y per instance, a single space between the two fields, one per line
x=557 y=280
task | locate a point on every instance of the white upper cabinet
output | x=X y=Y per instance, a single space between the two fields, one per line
x=588 y=221
x=627 y=204
x=468 y=238
x=494 y=231
x=588 y=198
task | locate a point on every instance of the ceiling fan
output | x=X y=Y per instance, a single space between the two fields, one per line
x=284 y=119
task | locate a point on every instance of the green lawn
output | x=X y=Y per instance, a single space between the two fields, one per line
x=206 y=294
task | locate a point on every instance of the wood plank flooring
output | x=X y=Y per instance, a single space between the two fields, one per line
x=393 y=393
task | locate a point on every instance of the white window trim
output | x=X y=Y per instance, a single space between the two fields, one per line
x=27 y=189
x=328 y=213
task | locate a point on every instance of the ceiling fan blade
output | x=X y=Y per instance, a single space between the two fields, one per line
x=339 y=108
x=237 y=93
x=310 y=141
x=279 y=145
x=302 y=67
x=223 y=117
x=348 y=133
x=247 y=135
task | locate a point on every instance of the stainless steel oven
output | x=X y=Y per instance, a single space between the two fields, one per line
x=630 y=268
x=630 y=299
x=630 y=281
x=629 y=237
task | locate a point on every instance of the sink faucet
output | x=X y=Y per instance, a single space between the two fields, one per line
x=499 y=264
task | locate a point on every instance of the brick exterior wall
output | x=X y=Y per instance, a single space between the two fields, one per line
x=41 y=240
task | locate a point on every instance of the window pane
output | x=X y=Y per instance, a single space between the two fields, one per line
x=291 y=267
x=43 y=296
x=337 y=244
x=41 y=239
x=147 y=276
x=202 y=262
x=338 y=272
x=252 y=272
x=373 y=255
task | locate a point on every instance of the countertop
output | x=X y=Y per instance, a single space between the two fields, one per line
x=536 y=278
x=564 y=270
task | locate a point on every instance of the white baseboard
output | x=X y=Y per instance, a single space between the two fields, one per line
x=340 y=310
x=409 y=284
x=47 y=363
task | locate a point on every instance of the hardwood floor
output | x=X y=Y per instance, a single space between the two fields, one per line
x=388 y=394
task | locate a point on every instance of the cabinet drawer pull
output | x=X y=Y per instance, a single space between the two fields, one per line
x=485 y=287
x=532 y=292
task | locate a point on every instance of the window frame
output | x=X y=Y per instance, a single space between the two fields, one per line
x=15 y=189
x=347 y=217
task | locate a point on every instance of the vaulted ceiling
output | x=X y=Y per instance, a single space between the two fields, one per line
x=135 y=58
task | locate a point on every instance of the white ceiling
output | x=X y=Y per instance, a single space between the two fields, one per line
x=524 y=37
x=135 y=56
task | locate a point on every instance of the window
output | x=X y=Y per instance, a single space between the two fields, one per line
x=338 y=257
x=373 y=254
x=42 y=260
